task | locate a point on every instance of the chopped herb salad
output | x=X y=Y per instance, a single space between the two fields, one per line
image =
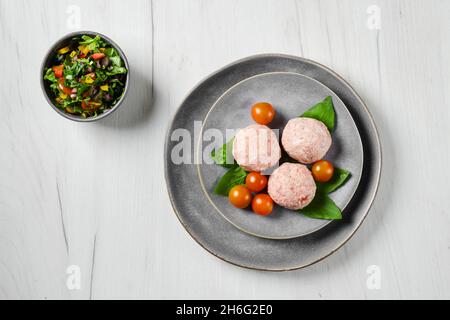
x=87 y=77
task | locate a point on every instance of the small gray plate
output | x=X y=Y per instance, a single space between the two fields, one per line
x=217 y=235
x=291 y=94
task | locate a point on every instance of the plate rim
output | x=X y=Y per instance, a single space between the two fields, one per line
x=199 y=153
x=300 y=59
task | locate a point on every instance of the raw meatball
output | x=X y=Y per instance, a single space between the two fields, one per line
x=306 y=140
x=256 y=148
x=292 y=186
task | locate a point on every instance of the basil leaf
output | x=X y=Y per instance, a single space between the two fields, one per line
x=322 y=207
x=50 y=76
x=233 y=177
x=91 y=43
x=224 y=156
x=111 y=52
x=101 y=76
x=77 y=109
x=323 y=111
x=116 y=61
x=54 y=87
x=339 y=178
x=116 y=70
x=86 y=40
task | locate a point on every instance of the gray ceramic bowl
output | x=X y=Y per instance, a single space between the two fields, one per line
x=47 y=63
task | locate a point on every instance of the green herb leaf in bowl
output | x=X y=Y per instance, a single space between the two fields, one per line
x=86 y=77
x=339 y=178
x=323 y=111
x=233 y=177
x=224 y=156
x=92 y=43
x=322 y=207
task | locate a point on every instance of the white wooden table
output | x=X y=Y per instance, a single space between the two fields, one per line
x=93 y=195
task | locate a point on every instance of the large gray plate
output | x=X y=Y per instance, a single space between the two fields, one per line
x=221 y=238
x=291 y=94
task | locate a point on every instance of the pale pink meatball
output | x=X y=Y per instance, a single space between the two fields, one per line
x=306 y=140
x=292 y=186
x=256 y=148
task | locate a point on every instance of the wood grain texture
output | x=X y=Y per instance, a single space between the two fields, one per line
x=93 y=195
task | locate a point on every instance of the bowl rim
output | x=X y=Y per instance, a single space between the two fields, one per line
x=51 y=51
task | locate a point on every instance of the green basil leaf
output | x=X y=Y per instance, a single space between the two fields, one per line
x=224 y=156
x=116 y=61
x=54 y=87
x=86 y=40
x=323 y=111
x=233 y=177
x=91 y=43
x=111 y=52
x=116 y=70
x=339 y=178
x=322 y=207
x=78 y=109
x=50 y=76
x=100 y=76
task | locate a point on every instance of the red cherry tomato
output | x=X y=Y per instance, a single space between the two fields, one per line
x=98 y=56
x=262 y=204
x=255 y=181
x=263 y=113
x=240 y=197
x=322 y=171
x=58 y=70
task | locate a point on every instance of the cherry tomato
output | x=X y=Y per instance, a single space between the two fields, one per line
x=255 y=181
x=263 y=113
x=63 y=88
x=58 y=70
x=322 y=171
x=262 y=204
x=98 y=56
x=240 y=196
